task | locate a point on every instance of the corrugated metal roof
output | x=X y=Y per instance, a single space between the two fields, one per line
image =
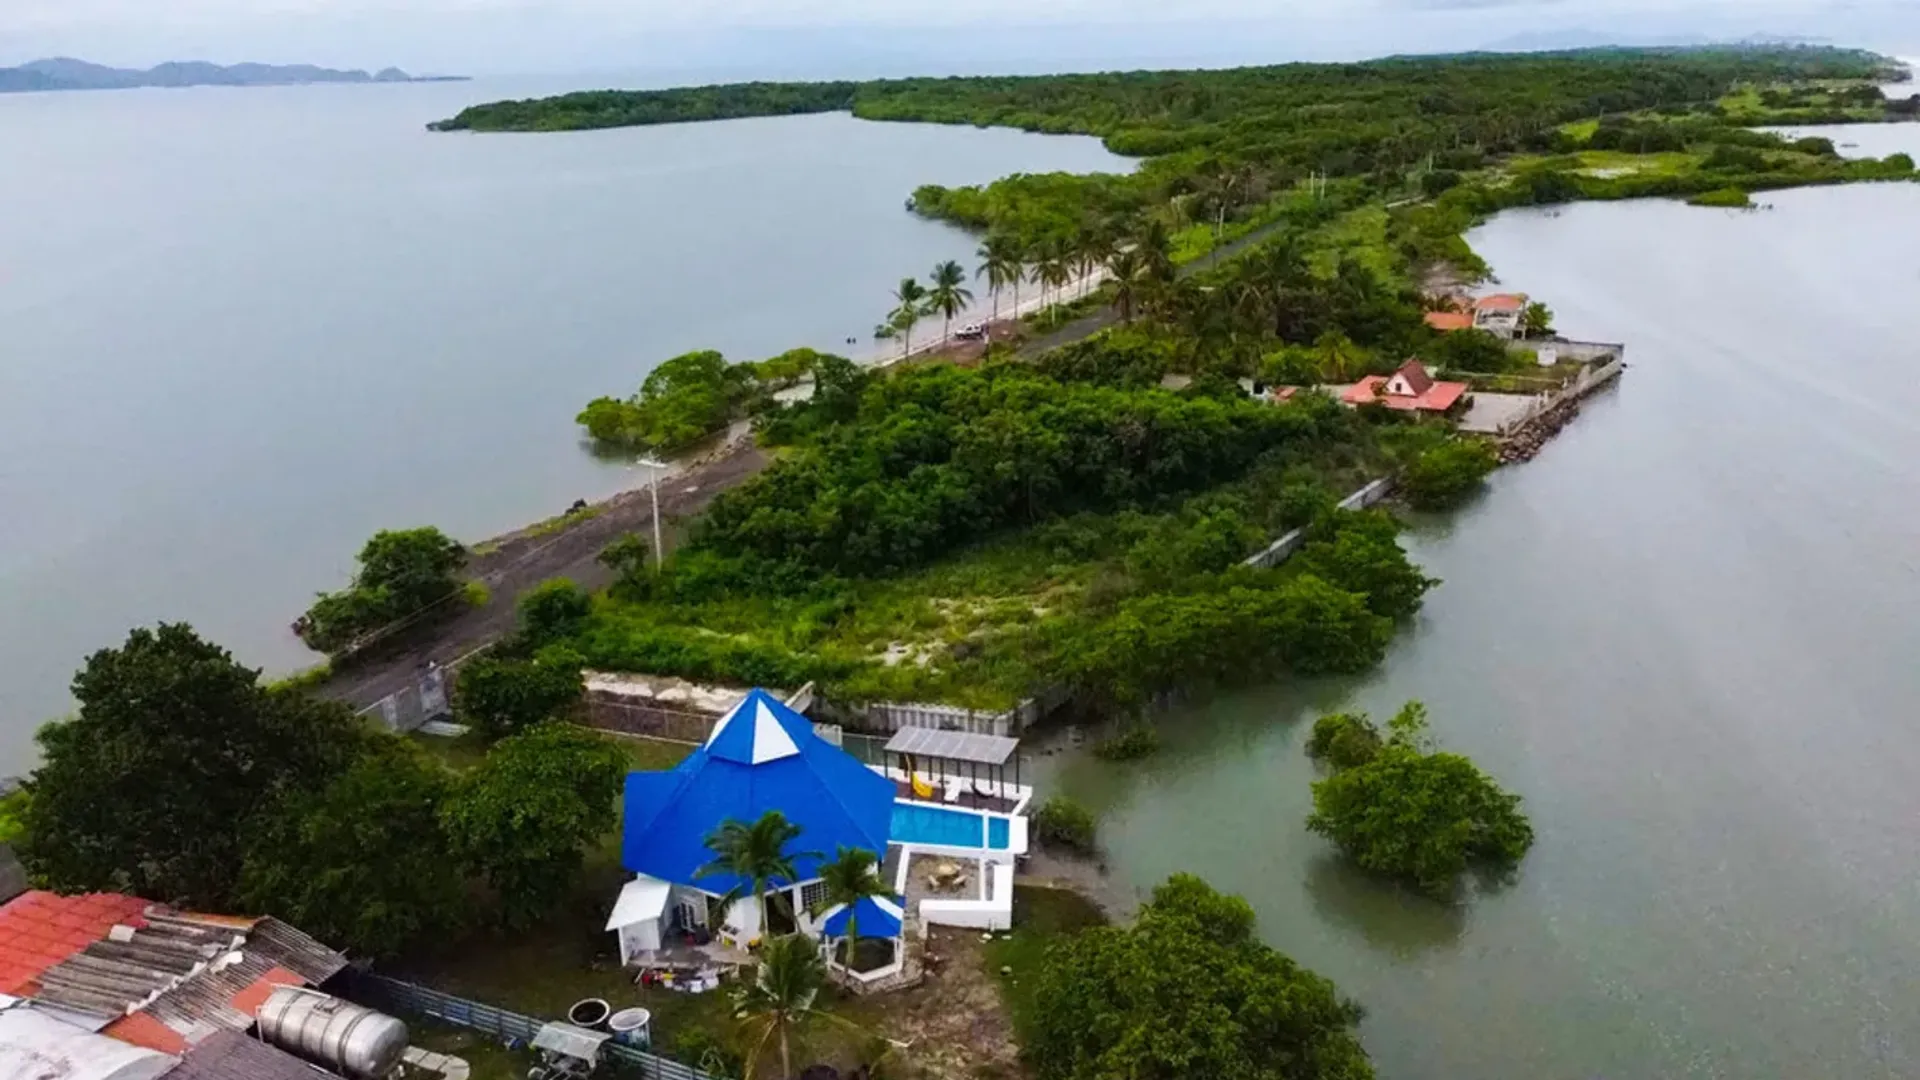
x=953 y=745
x=153 y=976
x=229 y=1055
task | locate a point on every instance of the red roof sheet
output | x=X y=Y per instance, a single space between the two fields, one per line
x=1438 y=397
x=1500 y=302
x=141 y=1029
x=1445 y=321
x=1415 y=373
x=39 y=929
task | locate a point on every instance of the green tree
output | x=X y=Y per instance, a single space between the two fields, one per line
x=1420 y=816
x=524 y=818
x=756 y=854
x=1065 y=822
x=1186 y=992
x=631 y=558
x=949 y=295
x=1362 y=554
x=910 y=303
x=402 y=572
x=504 y=696
x=1000 y=265
x=360 y=863
x=1127 y=272
x=779 y=1003
x=1322 y=629
x=1536 y=320
x=553 y=610
x=173 y=748
x=1444 y=476
x=851 y=876
x=1344 y=740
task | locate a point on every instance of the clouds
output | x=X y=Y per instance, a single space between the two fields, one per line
x=787 y=37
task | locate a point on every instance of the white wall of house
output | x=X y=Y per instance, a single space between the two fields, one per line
x=1398 y=386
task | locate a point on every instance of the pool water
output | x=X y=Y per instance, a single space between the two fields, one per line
x=913 y=824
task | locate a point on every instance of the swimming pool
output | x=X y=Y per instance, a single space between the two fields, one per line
x=913 y=824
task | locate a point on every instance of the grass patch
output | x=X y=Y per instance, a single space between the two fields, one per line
x=1730 y=198
x=305 y=679
x=488 y=1058
x=1041 y=916
x=476 y=594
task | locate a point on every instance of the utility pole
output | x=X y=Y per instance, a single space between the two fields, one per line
x=654 y=465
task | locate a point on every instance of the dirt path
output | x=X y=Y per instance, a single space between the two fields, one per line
x=517 y=562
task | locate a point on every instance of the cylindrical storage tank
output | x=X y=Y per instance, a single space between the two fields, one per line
x=589 y=1013
x=357 y=1041
x=634 y=1027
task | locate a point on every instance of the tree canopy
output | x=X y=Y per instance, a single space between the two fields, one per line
x=523 y=819
x=174 y=745
x=501 y=696
x=1187 y=991
x=402 y=572
x=360 y=863
x=1446 y=475
x=1399 y=808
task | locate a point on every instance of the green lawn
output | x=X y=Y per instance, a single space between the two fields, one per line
x=1041 y=916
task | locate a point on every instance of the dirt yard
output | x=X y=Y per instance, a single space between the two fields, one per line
x=955 y=1023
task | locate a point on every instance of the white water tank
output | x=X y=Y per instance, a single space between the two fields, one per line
x=358 y=1041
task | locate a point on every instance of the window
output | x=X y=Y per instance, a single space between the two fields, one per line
x=812 y=895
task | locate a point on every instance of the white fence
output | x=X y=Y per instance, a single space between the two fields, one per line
x=1282 y=549
x=890 y=716
x=995 y=912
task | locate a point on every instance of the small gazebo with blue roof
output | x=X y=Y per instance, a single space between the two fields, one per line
x=762 y=756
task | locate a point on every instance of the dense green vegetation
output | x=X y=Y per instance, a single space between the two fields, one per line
x=1397 y=807
x=1186 y=991
x=1065 y=822
x=402 y=573
x=690 y=397
x=1730 y=198
x=180 y=778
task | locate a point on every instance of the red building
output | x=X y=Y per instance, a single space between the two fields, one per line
x=1410 y=389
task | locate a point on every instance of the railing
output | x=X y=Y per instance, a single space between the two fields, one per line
x=505 y=1025
x=1282 y=549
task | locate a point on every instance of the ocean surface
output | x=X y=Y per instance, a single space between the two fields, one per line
x=1685 y=633
x=244 y=329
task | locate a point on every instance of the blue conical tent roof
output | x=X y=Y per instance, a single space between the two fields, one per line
x=873 y=916
x=761 y=757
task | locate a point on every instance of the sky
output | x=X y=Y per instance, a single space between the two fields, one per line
x=872 y=37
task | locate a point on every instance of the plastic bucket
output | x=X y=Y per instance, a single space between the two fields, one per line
x=632 y=1027
x=589 y=1013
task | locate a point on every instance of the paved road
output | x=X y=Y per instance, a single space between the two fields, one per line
x=522 y=561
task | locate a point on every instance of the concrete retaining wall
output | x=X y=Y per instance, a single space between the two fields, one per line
x=1282 y=549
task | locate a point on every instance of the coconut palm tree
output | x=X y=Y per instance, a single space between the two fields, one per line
x=1128 y=271
x=1054 y=269
x=1000 y=265
x=778 y=1002
x=949 y=295
x=1155 y=247
x=1338 y=356
x=1092 y=245
x=911 y=298
x=757 y=855
x=851 y=877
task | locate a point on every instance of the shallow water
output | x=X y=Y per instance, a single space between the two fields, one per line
x=1686 y=634
x=247 y=328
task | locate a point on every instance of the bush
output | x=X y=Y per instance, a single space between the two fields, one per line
x=1730 y=198
x=1187 y=991
x=500 y=697
x=1062 y=822
x=1344 y=740
x=1138 y=741
x=1421 y=817
x=1444 y=476
x=553 y=610
x=401 y=573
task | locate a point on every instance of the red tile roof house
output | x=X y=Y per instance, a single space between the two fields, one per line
x=146 y=974
x=1409 y=389
x=1500 y=313
x=1449 y=321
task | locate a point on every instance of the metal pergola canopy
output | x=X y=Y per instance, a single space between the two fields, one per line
x=953 y=745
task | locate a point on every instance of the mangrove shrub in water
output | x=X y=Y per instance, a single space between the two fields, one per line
x=1422 y=816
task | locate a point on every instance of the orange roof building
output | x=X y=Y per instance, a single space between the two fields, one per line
x=1410 y=389
x=1501 y=304
x=1448 y=321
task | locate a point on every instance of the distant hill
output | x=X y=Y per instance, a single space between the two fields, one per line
x=66 y=73
x=1572 y=39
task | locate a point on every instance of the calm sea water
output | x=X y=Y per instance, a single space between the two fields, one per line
x=242 y=330
x=1686 y=634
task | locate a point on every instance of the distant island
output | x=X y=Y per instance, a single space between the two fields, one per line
x=66 y=73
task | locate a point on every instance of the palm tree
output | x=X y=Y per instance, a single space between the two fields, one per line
x=1092 y=246
x=1156 y=251
x=756 y=854
x=779 y=1000
x=949 y=295
x=1338 y=356
x=1127 y=270
x=851 y=877
x=912 y=298
x=1000 y=265
x=1054 y=269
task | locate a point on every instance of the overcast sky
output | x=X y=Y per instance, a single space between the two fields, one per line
x=876 y=36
